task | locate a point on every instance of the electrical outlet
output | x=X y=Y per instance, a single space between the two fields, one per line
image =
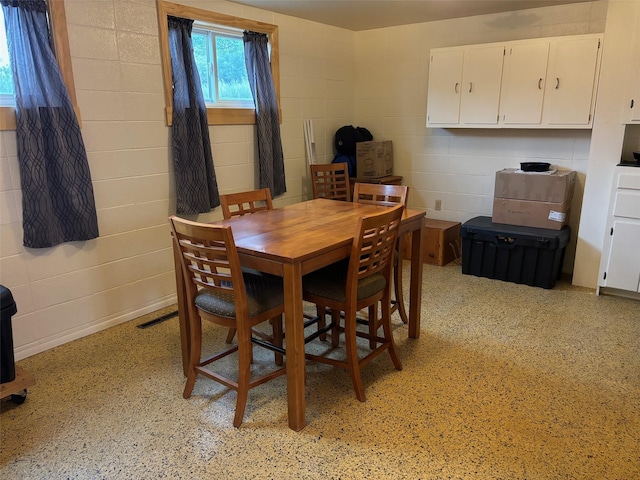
x=438 y=205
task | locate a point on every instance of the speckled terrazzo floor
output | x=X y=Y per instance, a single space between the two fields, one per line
x=505 y=382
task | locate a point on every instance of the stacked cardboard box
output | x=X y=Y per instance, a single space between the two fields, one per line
x=532 y=199
x=374 y=159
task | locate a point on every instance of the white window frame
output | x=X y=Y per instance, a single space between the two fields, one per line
x=219 y=31
x=215 y=115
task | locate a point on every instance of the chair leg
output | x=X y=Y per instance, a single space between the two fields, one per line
x=230 y=334
x=335 y=331
x=388 y=335
x=321 y=312
x=397 y=284
x=194 y=359
x=244 y=372
x=353 y=365
x=276 y=325
x=374 y=324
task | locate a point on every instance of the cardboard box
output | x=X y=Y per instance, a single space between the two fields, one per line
x=531 y=199
x=528 y=213
x=374 y=159
x=440 y=242
x=542 y=187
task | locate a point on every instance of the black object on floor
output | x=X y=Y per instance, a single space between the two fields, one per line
x=526 y=255
x=158 y=320
x=8 y=309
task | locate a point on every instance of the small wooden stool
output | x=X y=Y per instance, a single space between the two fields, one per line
x=440 y=242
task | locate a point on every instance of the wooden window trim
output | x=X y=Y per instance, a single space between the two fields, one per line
x=215 y=116
x=58 y=19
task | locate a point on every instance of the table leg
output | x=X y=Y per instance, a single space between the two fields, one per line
x=415 y=296
x=185 y=335
x=294 y=331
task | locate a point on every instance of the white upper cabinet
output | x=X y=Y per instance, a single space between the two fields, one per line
x=525 y=73
x=569 y=95
x=445 y=77
x=536 y=83
x=633 y=108
x=464 y=86
x=632 y=103
x=481 y=80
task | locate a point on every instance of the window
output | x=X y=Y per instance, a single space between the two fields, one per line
x=219 y=52
x=58 y=20
x=6 y=78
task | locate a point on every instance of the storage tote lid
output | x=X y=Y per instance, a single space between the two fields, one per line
x=482 y=228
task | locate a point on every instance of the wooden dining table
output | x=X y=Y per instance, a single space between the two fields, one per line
x=292 y=241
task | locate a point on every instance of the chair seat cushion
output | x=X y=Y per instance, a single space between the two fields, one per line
x=263 y=293
x=329 y=282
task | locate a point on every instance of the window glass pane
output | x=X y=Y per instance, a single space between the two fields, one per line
x=202 y=52
x=6 y=78
x=231 y=69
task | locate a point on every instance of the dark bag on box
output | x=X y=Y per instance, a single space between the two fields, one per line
x=346 y=137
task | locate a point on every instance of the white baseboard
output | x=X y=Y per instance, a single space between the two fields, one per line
x=44 y=344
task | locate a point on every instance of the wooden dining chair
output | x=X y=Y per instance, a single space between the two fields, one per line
x=378 y=194
x=330 y=180
x=218 y=290
x=361 y=282
x=242 y=203
x=238 y=204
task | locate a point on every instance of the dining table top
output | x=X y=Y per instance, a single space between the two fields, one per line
x=300 y=231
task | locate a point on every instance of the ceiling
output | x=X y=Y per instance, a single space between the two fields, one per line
x=369 y=14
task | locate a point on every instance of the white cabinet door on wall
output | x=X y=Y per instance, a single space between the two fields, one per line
x=445 y=77
x=525 y=71
x=632 y=100
x=481 y=81
x=464 y=86
x=571 y=73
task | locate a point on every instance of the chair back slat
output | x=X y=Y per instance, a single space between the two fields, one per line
x=375 y=247
x=331 y=180
x=380 y=194
x=242 y=203
x=209 y=258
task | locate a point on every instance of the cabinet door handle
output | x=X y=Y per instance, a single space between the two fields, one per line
x=632 y=103
x=470 y=86
x=540 y=84
x=557 y=83
x=455 y=88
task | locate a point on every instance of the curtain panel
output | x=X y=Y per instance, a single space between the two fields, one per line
x=270 y=156
x=57 y=193
x=196 y=185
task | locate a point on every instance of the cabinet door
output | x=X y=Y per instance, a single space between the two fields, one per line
x=632 y=101
x=623 y=269
x=481 y=81
x=525 y=71
x=570 y=86
x=445 y=76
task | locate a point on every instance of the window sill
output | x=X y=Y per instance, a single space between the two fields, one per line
x=224 y=116
x=7 y=118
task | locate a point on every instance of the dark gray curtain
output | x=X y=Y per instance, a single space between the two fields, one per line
x=57 y=193
x=196 y=186
x=270 y=157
